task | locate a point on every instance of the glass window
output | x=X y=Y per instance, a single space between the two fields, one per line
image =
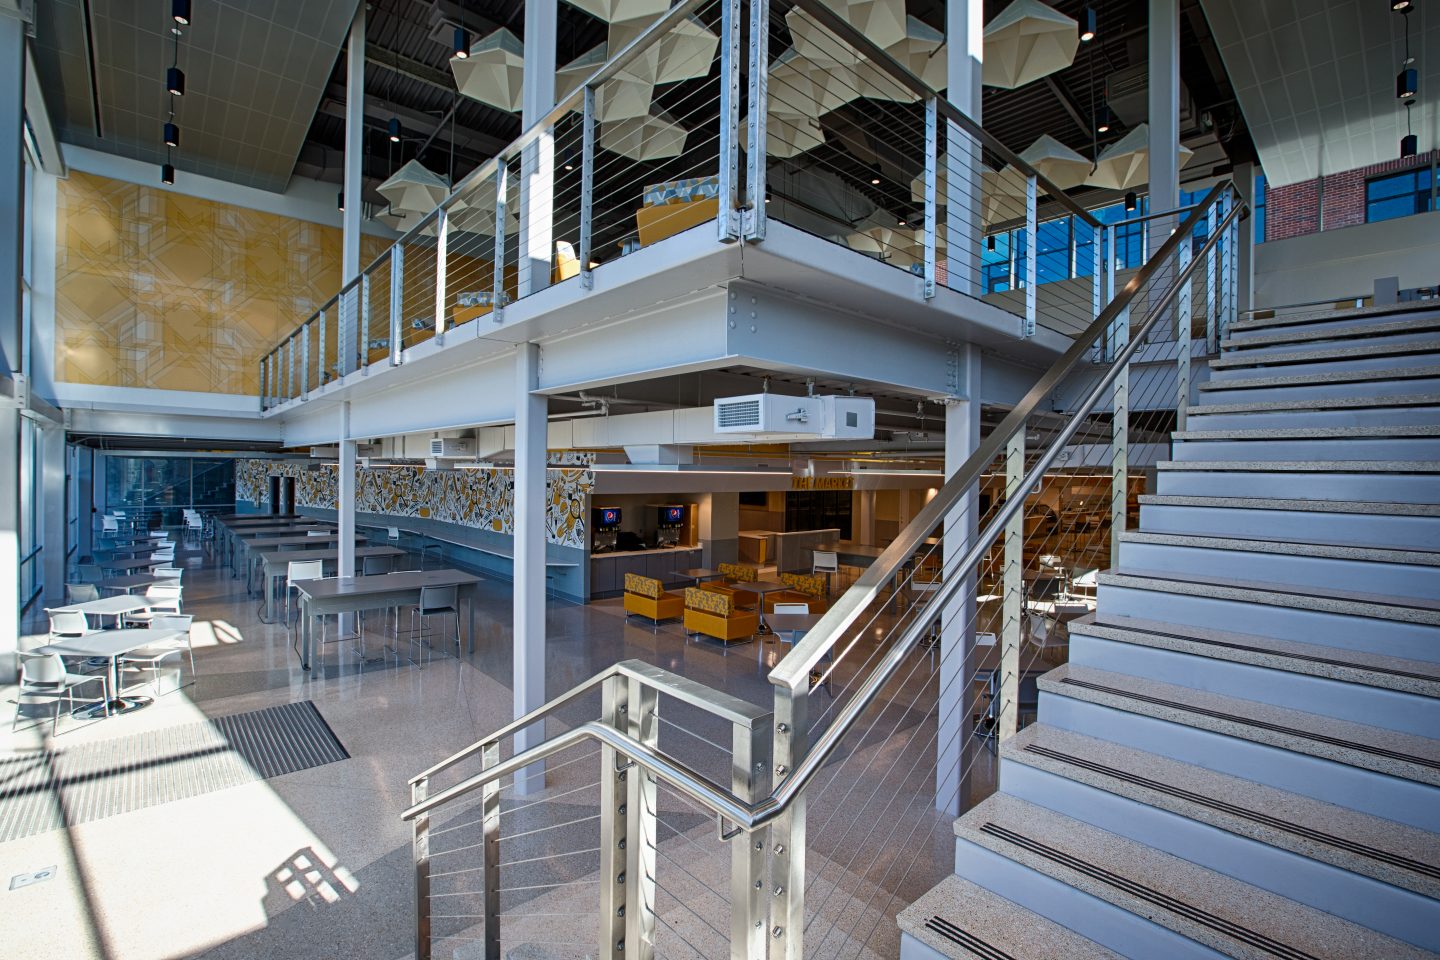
x=1052 y=252
x=161 y=486
x=1397 y=195
x=995 y=264
x=1260 y=208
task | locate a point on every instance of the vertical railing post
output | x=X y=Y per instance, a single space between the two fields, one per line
x=728 y=219
x=759 y=106
x=362 y=335
x=1111 y=258
x=397 y=303
x=264 y=397
x=490 y=820
x=1232 y=249
x=614 y=825
x=1120 y=443
x=640 y=797
x=1007 y=686
x=787 y=833
x=587 y=187
x=420 y=848
x=1100 y=294
x=750 y=782
x=320 y=349
x=502 y=185
x=290 y=368
x=1030 y=243
x=305 y=360
x=442 y=243
x=932 y=229
x=1183 y=313
x=1212 y=286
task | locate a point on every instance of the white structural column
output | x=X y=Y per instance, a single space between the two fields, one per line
x=345 y=508
x=348 y=334
x=1164 y=114
x=537 y=161
x=965 y=56
x=54 y=509
x=957 y=622
x=12 y=201
x=1244 y=176
x=531 y=427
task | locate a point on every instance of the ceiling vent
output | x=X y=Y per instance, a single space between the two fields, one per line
x=774 y=416
x=1127 y=93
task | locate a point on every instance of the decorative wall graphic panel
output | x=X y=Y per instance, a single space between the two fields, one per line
x=484 y=499
x=157 y=289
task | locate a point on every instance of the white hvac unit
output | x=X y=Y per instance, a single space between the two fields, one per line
x=774 y=416
x=362 y=451
x=452 y=448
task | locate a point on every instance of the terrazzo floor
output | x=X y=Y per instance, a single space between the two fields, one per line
x=318 y=863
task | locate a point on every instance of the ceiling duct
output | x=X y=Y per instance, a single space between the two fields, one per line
x=1127 y=93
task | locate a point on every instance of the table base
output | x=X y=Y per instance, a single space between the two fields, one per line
x=117 y=706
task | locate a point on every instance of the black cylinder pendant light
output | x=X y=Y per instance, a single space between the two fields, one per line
x=180 y=11
x=1131 y=202
x=1087 y=25
x=1400 y=6
x=175 y=81
x=167 y=173
x=1407 y=83
x=172 y=135
x=462 y=43
x=394 y=129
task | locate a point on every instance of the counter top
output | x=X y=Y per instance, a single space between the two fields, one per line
x=639 y=553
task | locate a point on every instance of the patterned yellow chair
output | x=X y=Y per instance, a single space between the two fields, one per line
x=645 y=597
x=804 y=588
x=736 y=573
x=716 y=615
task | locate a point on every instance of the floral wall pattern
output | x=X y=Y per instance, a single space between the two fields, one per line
x=483 y=499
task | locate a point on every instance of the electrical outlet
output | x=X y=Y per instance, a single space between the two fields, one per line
x=25 y=879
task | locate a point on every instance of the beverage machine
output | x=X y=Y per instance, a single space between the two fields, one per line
x=605 y=529
x=670 y=517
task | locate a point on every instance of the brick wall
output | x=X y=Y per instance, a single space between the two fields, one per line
x=1295 y=209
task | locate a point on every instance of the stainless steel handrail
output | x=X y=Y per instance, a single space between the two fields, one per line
x=750 y=817
x=842 y=28
x=794 y=669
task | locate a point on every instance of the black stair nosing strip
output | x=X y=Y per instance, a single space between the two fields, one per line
x=1221 y=806
x=1280 y=728
x=1148 y=894
x=1287 y=358
x=965 y=939
x=1423 y=372
x=1279 y=589
x=1306 y=658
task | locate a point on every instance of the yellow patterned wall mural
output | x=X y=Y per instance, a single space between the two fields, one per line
x=157 y=289
x=471 y=498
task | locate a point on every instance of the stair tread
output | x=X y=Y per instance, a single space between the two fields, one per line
x=1306 y=466
x=1315 y=506
x=958 y=907
x=1337 y=663
x=1311 y=316
x=1407 y=325
x=1394 y=853
x=1312 y=433
x=1357 y=351
x=1390 y=752
x=1228 y=915
x=1309 y=548
x=1348 y=602
x=1330 y=403
x=1330 y=376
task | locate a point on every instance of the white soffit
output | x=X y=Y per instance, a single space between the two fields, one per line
x=1316 y=81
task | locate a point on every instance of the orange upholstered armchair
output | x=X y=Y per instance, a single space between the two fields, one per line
x=804 y=588
x=645 y=597
x=716 y=615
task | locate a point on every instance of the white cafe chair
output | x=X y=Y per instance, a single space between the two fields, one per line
x=43 y=676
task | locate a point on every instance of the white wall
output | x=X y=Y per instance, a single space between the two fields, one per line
x=1345 y=262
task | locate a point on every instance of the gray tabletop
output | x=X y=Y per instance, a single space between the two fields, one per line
x=108 y=643
x=135 y=581
x=699 y=573
x=791 y=622
x=133 y=563
x=106 y=606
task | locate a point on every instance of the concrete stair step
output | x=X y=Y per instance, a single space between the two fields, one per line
x=1362 y=356
x=1355 y=766
x=1143 y=902
x=1349 y=316
x=1414 y=409
x=1308 y=336
x=1412 y=713
x=1365 y=869
x=1406 y=442
x=1407 y=627
x=1316 y=565
x=1291 y=385
x=961 y=920
x=1402 y=526
x=1386 y=481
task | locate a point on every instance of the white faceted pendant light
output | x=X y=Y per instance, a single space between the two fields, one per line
x=803 y=88
x=494 y=72
x=683 y=52
x=785 y=136
x=652 y=137
x=881 y=21
x=1027 y=41
x=922 y=52
x=1125 y=164
x=1057 y=163
x=414 y=189
x=624 y=96
x=613 y=10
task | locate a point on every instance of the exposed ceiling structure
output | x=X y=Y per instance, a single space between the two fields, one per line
x=1317 y=80
x=254 y=69
x=266 y=94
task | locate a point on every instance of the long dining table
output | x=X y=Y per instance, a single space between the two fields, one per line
x=275 y=564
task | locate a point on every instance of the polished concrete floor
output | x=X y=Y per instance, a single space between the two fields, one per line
x=318 y=863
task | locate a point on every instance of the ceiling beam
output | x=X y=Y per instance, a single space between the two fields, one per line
x=412 y=69
x=415 y=121
x=1066 y=101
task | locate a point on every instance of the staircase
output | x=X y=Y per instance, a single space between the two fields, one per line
x=1242 y=756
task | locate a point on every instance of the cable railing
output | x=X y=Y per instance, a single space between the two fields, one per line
x=838 y=808
x=711 y=117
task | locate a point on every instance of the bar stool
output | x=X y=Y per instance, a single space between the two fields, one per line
x=435 y=602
